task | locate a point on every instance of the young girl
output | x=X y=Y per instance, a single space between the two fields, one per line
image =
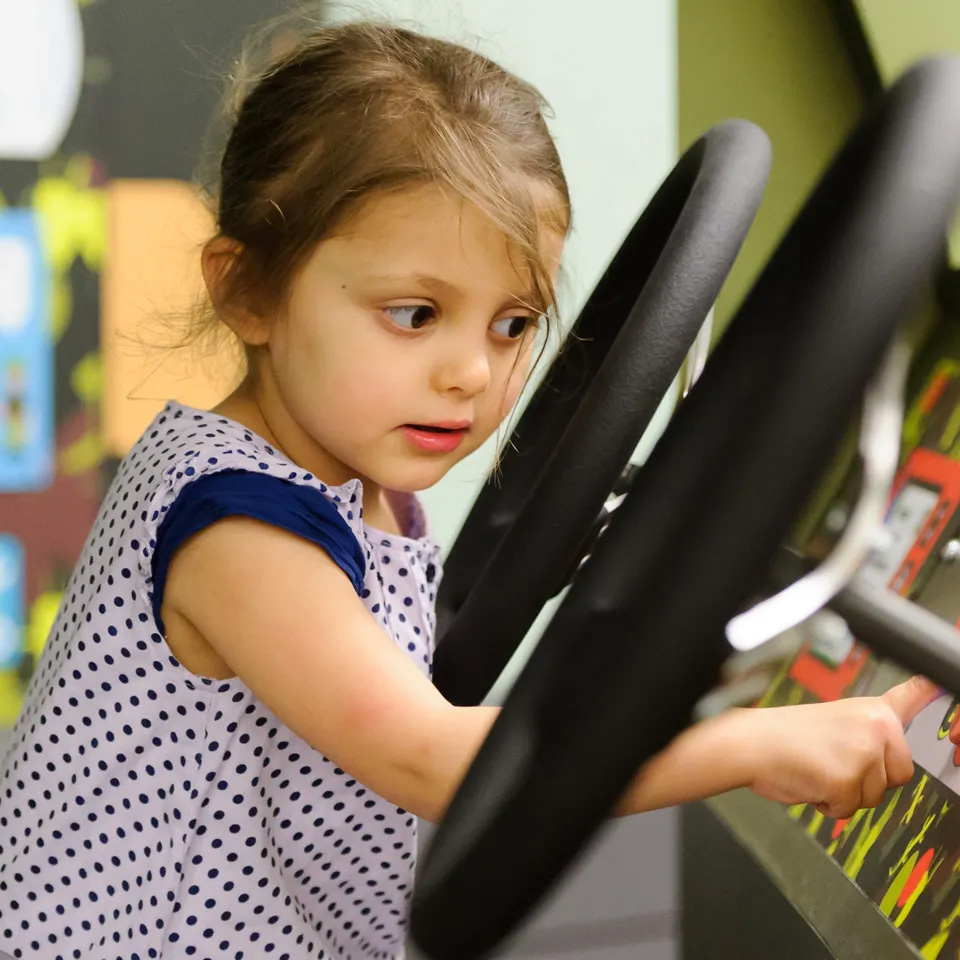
x=232 y=730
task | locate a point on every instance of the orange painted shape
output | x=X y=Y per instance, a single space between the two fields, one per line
x=823 y=681
x=940 y=473
x=923 y=864
x=935 y=391
x=838 y=827
x=150 y=282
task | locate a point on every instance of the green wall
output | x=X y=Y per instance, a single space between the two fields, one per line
x=782 y=65
x=900 y=33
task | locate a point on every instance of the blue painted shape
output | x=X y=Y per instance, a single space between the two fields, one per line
x=27 y=435
x=12 y=627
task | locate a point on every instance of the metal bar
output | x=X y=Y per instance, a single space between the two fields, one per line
x=890 y=625
x=842 y=915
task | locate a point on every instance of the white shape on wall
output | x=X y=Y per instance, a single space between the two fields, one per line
x=41 y=72
x=16 y=285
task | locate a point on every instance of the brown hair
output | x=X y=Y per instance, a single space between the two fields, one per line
x=356 y=108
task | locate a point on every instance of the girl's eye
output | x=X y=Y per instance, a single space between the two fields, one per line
x=412 y=317
x=513 y=327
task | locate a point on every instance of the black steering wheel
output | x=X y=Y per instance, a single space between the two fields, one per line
x=640 y=636
x=532 y=522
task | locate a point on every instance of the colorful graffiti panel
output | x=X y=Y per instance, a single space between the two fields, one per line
x=904 y=855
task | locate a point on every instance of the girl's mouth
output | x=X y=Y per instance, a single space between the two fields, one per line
x=436 y=438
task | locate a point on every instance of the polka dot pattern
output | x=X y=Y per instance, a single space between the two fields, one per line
x=148 y=812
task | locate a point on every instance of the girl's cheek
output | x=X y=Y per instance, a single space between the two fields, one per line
x=519 y=374
x=512 y=391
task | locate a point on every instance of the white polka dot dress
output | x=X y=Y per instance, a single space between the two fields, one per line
x=146 y=812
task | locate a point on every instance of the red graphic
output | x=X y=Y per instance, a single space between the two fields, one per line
x=916 y=875
x=826 y=682
x=55 y=522
x=932 y=470
x=934 y=392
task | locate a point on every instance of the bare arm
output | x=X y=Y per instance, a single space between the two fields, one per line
x=287 y=621
x=839 y=756
x=709 y=758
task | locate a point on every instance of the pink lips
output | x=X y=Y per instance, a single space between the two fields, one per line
x=441 y=437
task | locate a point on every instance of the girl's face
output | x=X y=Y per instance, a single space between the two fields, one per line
x=407 y=339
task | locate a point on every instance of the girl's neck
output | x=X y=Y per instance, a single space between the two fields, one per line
x=261 y=410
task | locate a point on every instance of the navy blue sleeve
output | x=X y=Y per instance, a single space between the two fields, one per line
x=300 y=510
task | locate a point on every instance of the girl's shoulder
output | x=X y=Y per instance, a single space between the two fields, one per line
x=183 y=444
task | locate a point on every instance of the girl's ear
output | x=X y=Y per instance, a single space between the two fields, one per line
x=218 y=260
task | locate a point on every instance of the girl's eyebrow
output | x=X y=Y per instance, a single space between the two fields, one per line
x=423 y=279
x=525 y=299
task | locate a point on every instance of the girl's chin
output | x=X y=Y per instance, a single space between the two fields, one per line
x=413 y=484
x=410 y=470
x=413 y=478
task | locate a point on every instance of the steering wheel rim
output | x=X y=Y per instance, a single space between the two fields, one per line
x=574 y=438
x=713 y=502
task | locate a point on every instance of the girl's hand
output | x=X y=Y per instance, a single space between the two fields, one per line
x=839 y=756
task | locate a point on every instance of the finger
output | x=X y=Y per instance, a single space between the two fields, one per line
x=897 y=761
x=837 y=809
x=842 y=798
x=907 y=699
x=874 y=785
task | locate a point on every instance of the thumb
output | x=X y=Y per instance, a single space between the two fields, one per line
x=907 y=699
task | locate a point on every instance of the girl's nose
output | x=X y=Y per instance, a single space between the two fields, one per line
x=463 y=368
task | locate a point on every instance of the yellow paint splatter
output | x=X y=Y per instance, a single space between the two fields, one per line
x=86 y=378
x=892 y=895
x=43 y=613
x=90 y=450
x=847 y=830
x=11 y=697
x=943 y=731
x=814 y=825
x=83 y=455
x=73 y=224
x=917 y=797
x=869 y=834
x=951 y=431
x=931 y=949
x=915 y=421
x=915 y=841
x=774 y=686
